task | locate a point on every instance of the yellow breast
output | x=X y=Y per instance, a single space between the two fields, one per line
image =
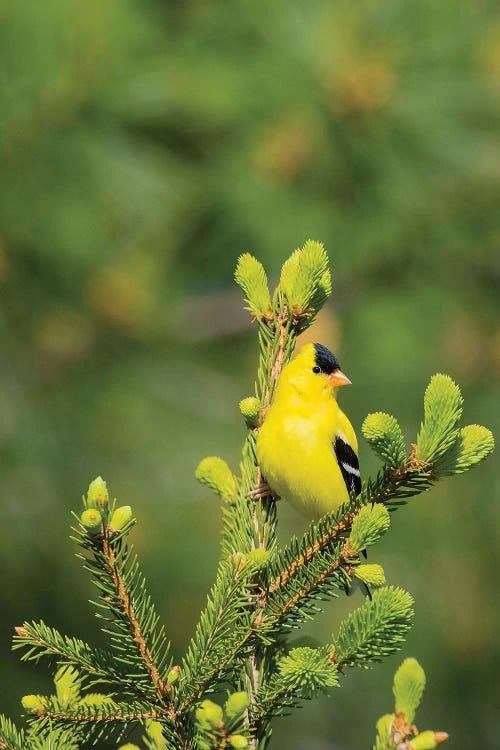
x=295 y=452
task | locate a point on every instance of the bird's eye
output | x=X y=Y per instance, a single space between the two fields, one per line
x=316 y=369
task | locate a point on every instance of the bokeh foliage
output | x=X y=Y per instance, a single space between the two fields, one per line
x=144 y=146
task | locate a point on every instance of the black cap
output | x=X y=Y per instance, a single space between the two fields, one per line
x=325 y=359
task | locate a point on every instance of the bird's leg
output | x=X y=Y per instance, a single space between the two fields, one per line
x=261 y=490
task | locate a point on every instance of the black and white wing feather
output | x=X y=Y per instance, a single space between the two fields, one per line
x=348 y=464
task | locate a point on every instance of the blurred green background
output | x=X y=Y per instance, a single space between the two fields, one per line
x=144 y=145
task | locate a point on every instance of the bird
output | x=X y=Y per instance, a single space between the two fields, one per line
x=306 y=448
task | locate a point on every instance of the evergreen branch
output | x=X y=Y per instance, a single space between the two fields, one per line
x=324 y=578
x=375 y=630
x=327 y=538
x=60 y=738
x=273 y=702
x=388 y=488
x=136 y=628
x=223 y=631
x=300 y=675
x=99 y=666
x=115 y=715
x=11 y=738
x=128 y=613
x=90 y=723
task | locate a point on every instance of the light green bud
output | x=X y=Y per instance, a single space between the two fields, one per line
x=129 y=746
x=98 y=494
x=371 y=574
x=32 y=703
x=258 y=557
x=238 y=741
x=239 y=560
x=408 y=688
x=251 y=277
x=208 y=715
x=443 y=404
x=288 y=276
x=216 y=474
x=120 y=518
x=155 y=732
x=250 y=409
x=67 y=682
x=310 y=283
x=385 y=437
x=368 y=526
x=235 y=705
x=473 y=444
x=428 y=740
x=173 y=675
x=384 y=726
x=92 y=520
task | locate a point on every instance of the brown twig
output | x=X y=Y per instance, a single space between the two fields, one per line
x=331 y=536
x=84 y=717
x=135 y=627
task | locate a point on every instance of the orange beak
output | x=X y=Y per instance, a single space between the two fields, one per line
x=338 y=378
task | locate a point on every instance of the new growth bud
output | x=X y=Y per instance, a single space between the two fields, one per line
x=92 y=520
x=289 y=274
x=473 y=444
x=428 y=740
x=368 y=526
x=67 y=683
x=32 y=703
x=252 y=279
x=310 y=668
x=443 y=404
x=216 y=474
x=384 y=726
x=408 y=688
x=235 y=705
x=250 y=409
x=154 y=731
x=372 y=575
x=120 y=518
x=385 y=437
x=238 y=741
x=257 y=558
x=208 y=715
x=305 y=279
x=97 y=495
x=173 y=675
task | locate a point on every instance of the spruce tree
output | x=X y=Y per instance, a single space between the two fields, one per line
x=262 y=591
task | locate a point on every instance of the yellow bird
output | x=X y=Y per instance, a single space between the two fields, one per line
x=307 y=448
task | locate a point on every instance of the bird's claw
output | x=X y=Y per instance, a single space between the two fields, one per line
x=261 y=490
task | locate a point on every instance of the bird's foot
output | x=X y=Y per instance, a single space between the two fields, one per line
x=261 y=490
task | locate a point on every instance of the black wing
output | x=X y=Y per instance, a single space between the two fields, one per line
x=348 y=464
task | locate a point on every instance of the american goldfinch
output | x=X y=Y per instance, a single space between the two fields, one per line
x=307 y=448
